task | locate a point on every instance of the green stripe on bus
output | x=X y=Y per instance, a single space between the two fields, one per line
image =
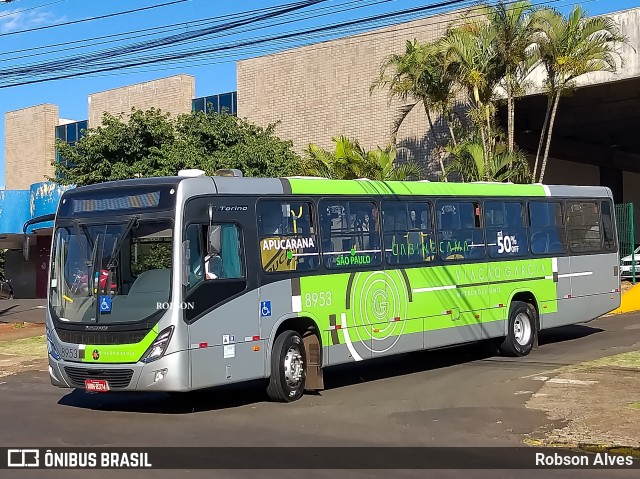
x=386 y=303
x=119 y=353
x=411 y=188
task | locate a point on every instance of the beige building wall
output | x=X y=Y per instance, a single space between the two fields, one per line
x=320 y=91
x=29 y=147
x=171 y=94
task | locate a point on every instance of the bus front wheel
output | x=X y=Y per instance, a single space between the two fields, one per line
x=288 y=368
x=521 y=330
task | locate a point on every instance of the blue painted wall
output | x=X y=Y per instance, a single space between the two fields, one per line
x=19 y=206
x=14 y=210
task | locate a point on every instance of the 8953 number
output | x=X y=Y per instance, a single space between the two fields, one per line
x=322 y=298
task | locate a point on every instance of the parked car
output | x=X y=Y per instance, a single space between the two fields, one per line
x=6 y=290
x=626 y=265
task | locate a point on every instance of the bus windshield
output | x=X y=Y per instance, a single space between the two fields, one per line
x=110 y=273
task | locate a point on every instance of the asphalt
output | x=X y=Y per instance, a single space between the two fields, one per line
x=454 y=397
x=22 y=310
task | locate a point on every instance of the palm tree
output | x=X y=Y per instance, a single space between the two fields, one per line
x=419 y=74
x=471 y=53
x=569 y=48
x=349 y=161
x=514 y=28
x=381 y=165
x=346 y=162
x=468 y=160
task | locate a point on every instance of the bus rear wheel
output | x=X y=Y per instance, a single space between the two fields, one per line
x=521 y=330
x=288 y=368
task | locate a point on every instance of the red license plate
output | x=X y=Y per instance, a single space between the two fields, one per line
x=96 y=385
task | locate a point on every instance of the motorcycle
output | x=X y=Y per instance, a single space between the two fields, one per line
x=80 y=282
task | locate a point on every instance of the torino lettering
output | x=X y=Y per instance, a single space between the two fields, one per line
x=168 y=305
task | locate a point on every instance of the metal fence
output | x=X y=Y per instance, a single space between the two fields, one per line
x=626 y=241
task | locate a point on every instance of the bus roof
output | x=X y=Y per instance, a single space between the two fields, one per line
x=321 y=186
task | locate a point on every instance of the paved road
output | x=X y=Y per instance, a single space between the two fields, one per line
x=452 y=397
x=22 y=310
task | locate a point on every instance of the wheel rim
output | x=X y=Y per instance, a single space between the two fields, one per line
x=293 y=367
x=522 y=329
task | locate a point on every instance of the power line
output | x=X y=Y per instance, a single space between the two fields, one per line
x=90 y=19
x=109 y=39
x=98 y=57
x=255 y=45
x=30 y=69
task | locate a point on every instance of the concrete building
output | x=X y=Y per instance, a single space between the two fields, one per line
x=30 y=136
x=322 y=90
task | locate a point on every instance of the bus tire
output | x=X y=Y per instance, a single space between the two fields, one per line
x=521 y=330
x=288 y=368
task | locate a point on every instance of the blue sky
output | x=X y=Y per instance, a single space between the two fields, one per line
x=213 y=75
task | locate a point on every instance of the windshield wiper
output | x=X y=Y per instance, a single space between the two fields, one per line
x=117 y=245
x=91 y=264
x=87 y=261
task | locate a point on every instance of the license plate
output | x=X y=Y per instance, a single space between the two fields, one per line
x=96 y=385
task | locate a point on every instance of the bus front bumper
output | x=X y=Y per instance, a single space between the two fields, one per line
x=169 y=373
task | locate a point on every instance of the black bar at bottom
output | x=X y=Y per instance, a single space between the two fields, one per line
x=317 y=458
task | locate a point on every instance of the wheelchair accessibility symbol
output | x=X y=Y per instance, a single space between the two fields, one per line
x=105 y=304
x=265 y=309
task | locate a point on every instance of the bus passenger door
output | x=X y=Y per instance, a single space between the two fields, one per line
x=461 y=284
x=220 y=306
x=594 y=261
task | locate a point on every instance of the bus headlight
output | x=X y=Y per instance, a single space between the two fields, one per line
x=51 y=346
x=158 y=347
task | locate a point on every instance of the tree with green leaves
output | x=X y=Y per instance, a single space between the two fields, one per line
x=419 y=75
x=514 y=26
x=151 y=143
x=468 y=161
x=570 y=47
x=350 y=161
x=471 y=51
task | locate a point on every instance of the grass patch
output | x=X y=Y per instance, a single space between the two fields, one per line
x=635 y=405
x=35 y=346
x=586 y=447
x=19 y=325
x=624 y=360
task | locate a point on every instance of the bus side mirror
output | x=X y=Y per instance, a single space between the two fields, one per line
x=25 y=247
x=214 y=245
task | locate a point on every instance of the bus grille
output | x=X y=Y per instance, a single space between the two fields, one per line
x=115 y=337
x=117 y=378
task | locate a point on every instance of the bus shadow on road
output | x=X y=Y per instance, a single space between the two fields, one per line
x=243 y=394
x=222 y=397
x=422 y=361
x=567 y=333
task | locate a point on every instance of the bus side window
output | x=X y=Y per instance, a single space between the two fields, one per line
x=583 y=222
x=546 y=228
x=610 y=243
x=460 y=235
x=287 y=233
x=195 y=260
x=224 y=259
x=506 y=232
x=350 y=232
x=408 y=232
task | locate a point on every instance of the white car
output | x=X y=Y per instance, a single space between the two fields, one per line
x=626 y=265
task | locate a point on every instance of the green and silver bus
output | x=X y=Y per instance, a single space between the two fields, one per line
x=182 y=283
